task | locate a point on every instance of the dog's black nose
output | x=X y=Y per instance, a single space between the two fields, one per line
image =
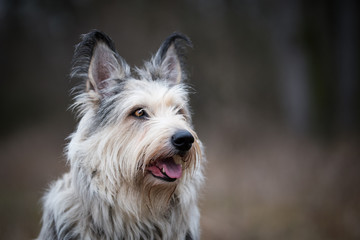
x=182 y=140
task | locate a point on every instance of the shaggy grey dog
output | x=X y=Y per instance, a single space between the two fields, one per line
x=135 y=160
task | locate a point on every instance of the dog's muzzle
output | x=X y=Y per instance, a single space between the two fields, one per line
x=169 y=168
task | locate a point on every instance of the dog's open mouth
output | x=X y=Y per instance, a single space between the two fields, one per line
x=165 y=169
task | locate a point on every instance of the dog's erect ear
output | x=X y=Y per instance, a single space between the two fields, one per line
x=169 y=59
x=96 y=60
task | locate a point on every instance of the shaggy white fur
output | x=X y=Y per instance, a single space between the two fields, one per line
x=127 y=123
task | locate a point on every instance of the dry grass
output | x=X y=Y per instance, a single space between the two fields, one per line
x=282 y=187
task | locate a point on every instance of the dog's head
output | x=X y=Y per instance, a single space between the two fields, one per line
x=135 y=127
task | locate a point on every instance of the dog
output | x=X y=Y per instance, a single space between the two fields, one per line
x=136 y=164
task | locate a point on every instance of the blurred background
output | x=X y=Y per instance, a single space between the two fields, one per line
x=277 y=106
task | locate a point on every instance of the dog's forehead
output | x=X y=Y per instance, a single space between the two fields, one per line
x=157 y=93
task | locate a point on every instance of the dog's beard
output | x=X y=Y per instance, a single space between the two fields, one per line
x=126 y=161
x=158 y=187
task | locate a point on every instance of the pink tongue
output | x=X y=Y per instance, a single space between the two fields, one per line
x=171 y=169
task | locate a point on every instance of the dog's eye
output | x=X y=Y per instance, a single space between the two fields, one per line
x=180 y=111
x=139 y=113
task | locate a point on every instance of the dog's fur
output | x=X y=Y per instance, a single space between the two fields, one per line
x=127 y=122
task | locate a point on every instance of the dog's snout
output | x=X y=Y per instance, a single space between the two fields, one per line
x=182 y=140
